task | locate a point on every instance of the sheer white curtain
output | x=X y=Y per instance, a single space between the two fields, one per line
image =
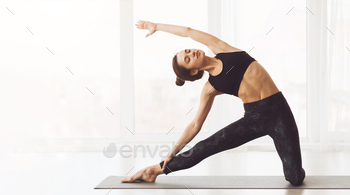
x=328 y=61
x=338 y=68
x=59 y=74
x=273 y=32
x=322 y=70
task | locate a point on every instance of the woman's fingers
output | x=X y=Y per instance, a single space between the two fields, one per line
x=138 y=22
x=140 y=26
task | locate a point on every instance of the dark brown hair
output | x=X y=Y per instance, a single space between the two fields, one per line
x=183 y=74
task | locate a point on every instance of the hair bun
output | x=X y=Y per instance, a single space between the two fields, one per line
x=179 y=82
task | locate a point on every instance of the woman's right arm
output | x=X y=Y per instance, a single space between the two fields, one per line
x=188 y=134
x=206 y=101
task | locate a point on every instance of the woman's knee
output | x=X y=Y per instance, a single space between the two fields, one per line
x=297 y=179
x=296 y=182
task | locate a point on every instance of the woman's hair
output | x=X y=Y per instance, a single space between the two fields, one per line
x=183 y=74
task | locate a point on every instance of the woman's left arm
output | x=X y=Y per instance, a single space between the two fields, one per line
x=212 y=42
x=153 y=27
x=197 y=35
x=215 y=44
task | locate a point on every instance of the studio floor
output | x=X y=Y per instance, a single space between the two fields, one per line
x=78 y=173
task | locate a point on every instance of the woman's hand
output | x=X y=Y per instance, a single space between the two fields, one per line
x=166 y=161
x=141 y=24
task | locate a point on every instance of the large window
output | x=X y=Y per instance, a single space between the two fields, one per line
x=59 y=73
x=337 y=81
x=160 y=105
x=272 y=32
x=277 y=40
x=328 y=70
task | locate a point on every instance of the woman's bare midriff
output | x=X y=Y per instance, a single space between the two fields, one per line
x=256 y=84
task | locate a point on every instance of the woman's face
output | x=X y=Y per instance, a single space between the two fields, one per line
x=191 y=58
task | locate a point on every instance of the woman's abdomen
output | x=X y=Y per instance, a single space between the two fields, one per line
x=256 y=84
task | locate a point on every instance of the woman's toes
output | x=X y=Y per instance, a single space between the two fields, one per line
x=147 y=174
x=127 y=179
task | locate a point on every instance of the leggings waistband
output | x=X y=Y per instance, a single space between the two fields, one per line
x=258 y=105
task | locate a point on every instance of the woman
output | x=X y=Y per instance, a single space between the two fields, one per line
x=234 y=72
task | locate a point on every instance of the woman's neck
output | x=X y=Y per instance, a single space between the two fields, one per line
x=210 y=64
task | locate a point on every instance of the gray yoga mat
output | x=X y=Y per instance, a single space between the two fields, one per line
x=227 y=182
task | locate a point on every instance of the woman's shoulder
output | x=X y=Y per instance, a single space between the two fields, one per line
x=223 y=47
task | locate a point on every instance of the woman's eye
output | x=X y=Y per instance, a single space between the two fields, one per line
x=188 y=51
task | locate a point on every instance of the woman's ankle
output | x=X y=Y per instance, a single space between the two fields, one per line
x=156 y=169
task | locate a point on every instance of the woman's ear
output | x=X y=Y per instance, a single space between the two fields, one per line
x=194 y=72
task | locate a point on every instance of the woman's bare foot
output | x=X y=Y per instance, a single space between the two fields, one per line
x=148 y=174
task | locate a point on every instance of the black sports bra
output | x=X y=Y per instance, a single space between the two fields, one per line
x=234 y=65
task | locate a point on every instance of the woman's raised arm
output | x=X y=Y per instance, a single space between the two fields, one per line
x=174 y=29
x=153 y=27
x=212 y=42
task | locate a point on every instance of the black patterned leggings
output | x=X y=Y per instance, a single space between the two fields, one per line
x=270 y=116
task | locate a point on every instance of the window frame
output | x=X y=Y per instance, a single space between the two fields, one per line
x=127 y=125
